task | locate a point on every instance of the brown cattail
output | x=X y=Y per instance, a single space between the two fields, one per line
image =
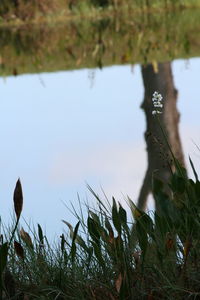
x=19 y=249
x=18 y=199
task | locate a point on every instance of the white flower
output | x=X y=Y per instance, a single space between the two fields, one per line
x=155 y=94
x=157 y=105
x=157 y=98
x=155 y=112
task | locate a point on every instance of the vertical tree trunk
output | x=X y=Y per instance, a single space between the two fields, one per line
x=159 y=158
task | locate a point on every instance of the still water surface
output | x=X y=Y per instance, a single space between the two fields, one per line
x=61 y=130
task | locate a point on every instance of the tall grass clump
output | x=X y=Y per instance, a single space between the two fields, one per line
x=106 y=256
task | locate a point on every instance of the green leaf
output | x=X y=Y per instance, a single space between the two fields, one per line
x=142 y=238
x=70 y=228
x=73 y=247
x=123 y=215
x=109 y=228
x=79 y=240
x=40 y=234
x=157 y=186
x=115 y=217
x=90 y=253
x=93 y=230
x=181 y=171
x=136 y=212
x=181 y=185
x=193 y=169
x=161 y=226
x=62 y=244
x=98 y=254
x=197 y=188
x=95 y=217
x=147 y=223
x=178 y=184
x=123 y=218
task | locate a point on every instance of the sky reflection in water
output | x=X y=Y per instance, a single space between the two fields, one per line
x=57 y=133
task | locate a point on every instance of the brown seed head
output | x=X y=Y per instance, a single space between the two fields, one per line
x=18 y=199
x=26 y=238
x=19 y=249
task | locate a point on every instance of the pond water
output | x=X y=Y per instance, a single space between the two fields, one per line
x=60 y=131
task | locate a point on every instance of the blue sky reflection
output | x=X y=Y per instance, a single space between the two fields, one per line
x=57 y=133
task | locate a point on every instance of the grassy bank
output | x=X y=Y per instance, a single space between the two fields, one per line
x=98 y=43
x=23 y=11
x=107 y=257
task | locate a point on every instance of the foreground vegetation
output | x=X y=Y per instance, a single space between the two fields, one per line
x=107 y=257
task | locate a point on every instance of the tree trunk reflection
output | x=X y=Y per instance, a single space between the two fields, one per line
x=159 y=78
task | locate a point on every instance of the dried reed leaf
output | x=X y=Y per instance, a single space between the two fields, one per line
x=118 y=282
x=70 y=228
x=155 y=66
x=169 y=244
x=136 y=256
x=187 y=247
x=26 y=238
x=18 y=199
x=19 y=249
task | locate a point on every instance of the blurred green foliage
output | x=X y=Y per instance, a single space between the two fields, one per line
x=96 y=43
